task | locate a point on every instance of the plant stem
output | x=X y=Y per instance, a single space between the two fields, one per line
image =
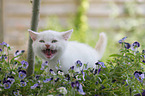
x=34 y=27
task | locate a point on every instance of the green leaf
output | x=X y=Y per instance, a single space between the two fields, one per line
x=130 y=54
x=115 y=55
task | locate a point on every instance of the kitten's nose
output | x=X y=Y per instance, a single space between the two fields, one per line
x=47 y=46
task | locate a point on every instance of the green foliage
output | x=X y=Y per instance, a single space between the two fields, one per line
x=114 y=78
x=80 y=21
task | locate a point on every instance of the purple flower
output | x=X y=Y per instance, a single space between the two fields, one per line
x=17 y=53
x=78 y=86
x=47 y=80
x=127 y=45
x=124 y=82
x=72 y=68
x=4 y=44
x=77 y=83
x=22 y=74
x=23 y=83
x=143 y=61
x=52 y=72
x=56 y=79
x=16 y=93
x=80 y=90
x=11 y=78
x=78 y=63
x=43 y=65
x=20 y=67
x=103 y=87
x=134 y=46
x=1 y=50
x=34 y=86
x=139 y=76
x=83 y=74
x=99 y=70
x=143 y=51
x=24 y=64
x=67 y=77
x=37 y=77
x=95 y=71
x=122 y=40
x=113 y=81
x=3 y=57
x=73 y=84
x=7 y=84
x=101 y=63
x=142 y=94
x=143 y=56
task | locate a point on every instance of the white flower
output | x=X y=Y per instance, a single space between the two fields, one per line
x=62 y=90
x=60 y=72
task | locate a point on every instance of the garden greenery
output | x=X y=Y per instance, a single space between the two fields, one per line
x=80 y=21
x=122 y=75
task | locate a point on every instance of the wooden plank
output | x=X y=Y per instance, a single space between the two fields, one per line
x=14 y=8
x=1 y=22
x=100 y=22
x=106 y=10
x=63 y=10
x=115 y=1
x=99 y=9
x=46 y=9
x=58 y=1
x=43 y=1
x=24 y=23
x=18 y=12
x=57 y=9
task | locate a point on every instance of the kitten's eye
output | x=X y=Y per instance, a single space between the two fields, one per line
x=42 y=41
x=53 y=41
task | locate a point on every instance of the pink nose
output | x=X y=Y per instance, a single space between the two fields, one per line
x=47 y=46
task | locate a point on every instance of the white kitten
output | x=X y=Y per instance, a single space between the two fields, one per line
x=52 y=46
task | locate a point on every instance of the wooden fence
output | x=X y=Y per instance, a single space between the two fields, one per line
x=17 y=16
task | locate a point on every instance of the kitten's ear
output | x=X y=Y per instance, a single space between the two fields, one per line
x=33 y=34
x=66 y=35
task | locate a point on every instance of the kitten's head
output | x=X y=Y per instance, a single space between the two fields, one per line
x=49 y=44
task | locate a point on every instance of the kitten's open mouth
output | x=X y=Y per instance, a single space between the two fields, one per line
x=49 y=53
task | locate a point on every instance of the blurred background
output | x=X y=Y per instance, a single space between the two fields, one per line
x=117 y=18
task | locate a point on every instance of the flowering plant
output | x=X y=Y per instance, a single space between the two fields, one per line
x=122 y=75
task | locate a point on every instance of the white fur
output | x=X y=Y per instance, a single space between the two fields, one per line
x=68 y=52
